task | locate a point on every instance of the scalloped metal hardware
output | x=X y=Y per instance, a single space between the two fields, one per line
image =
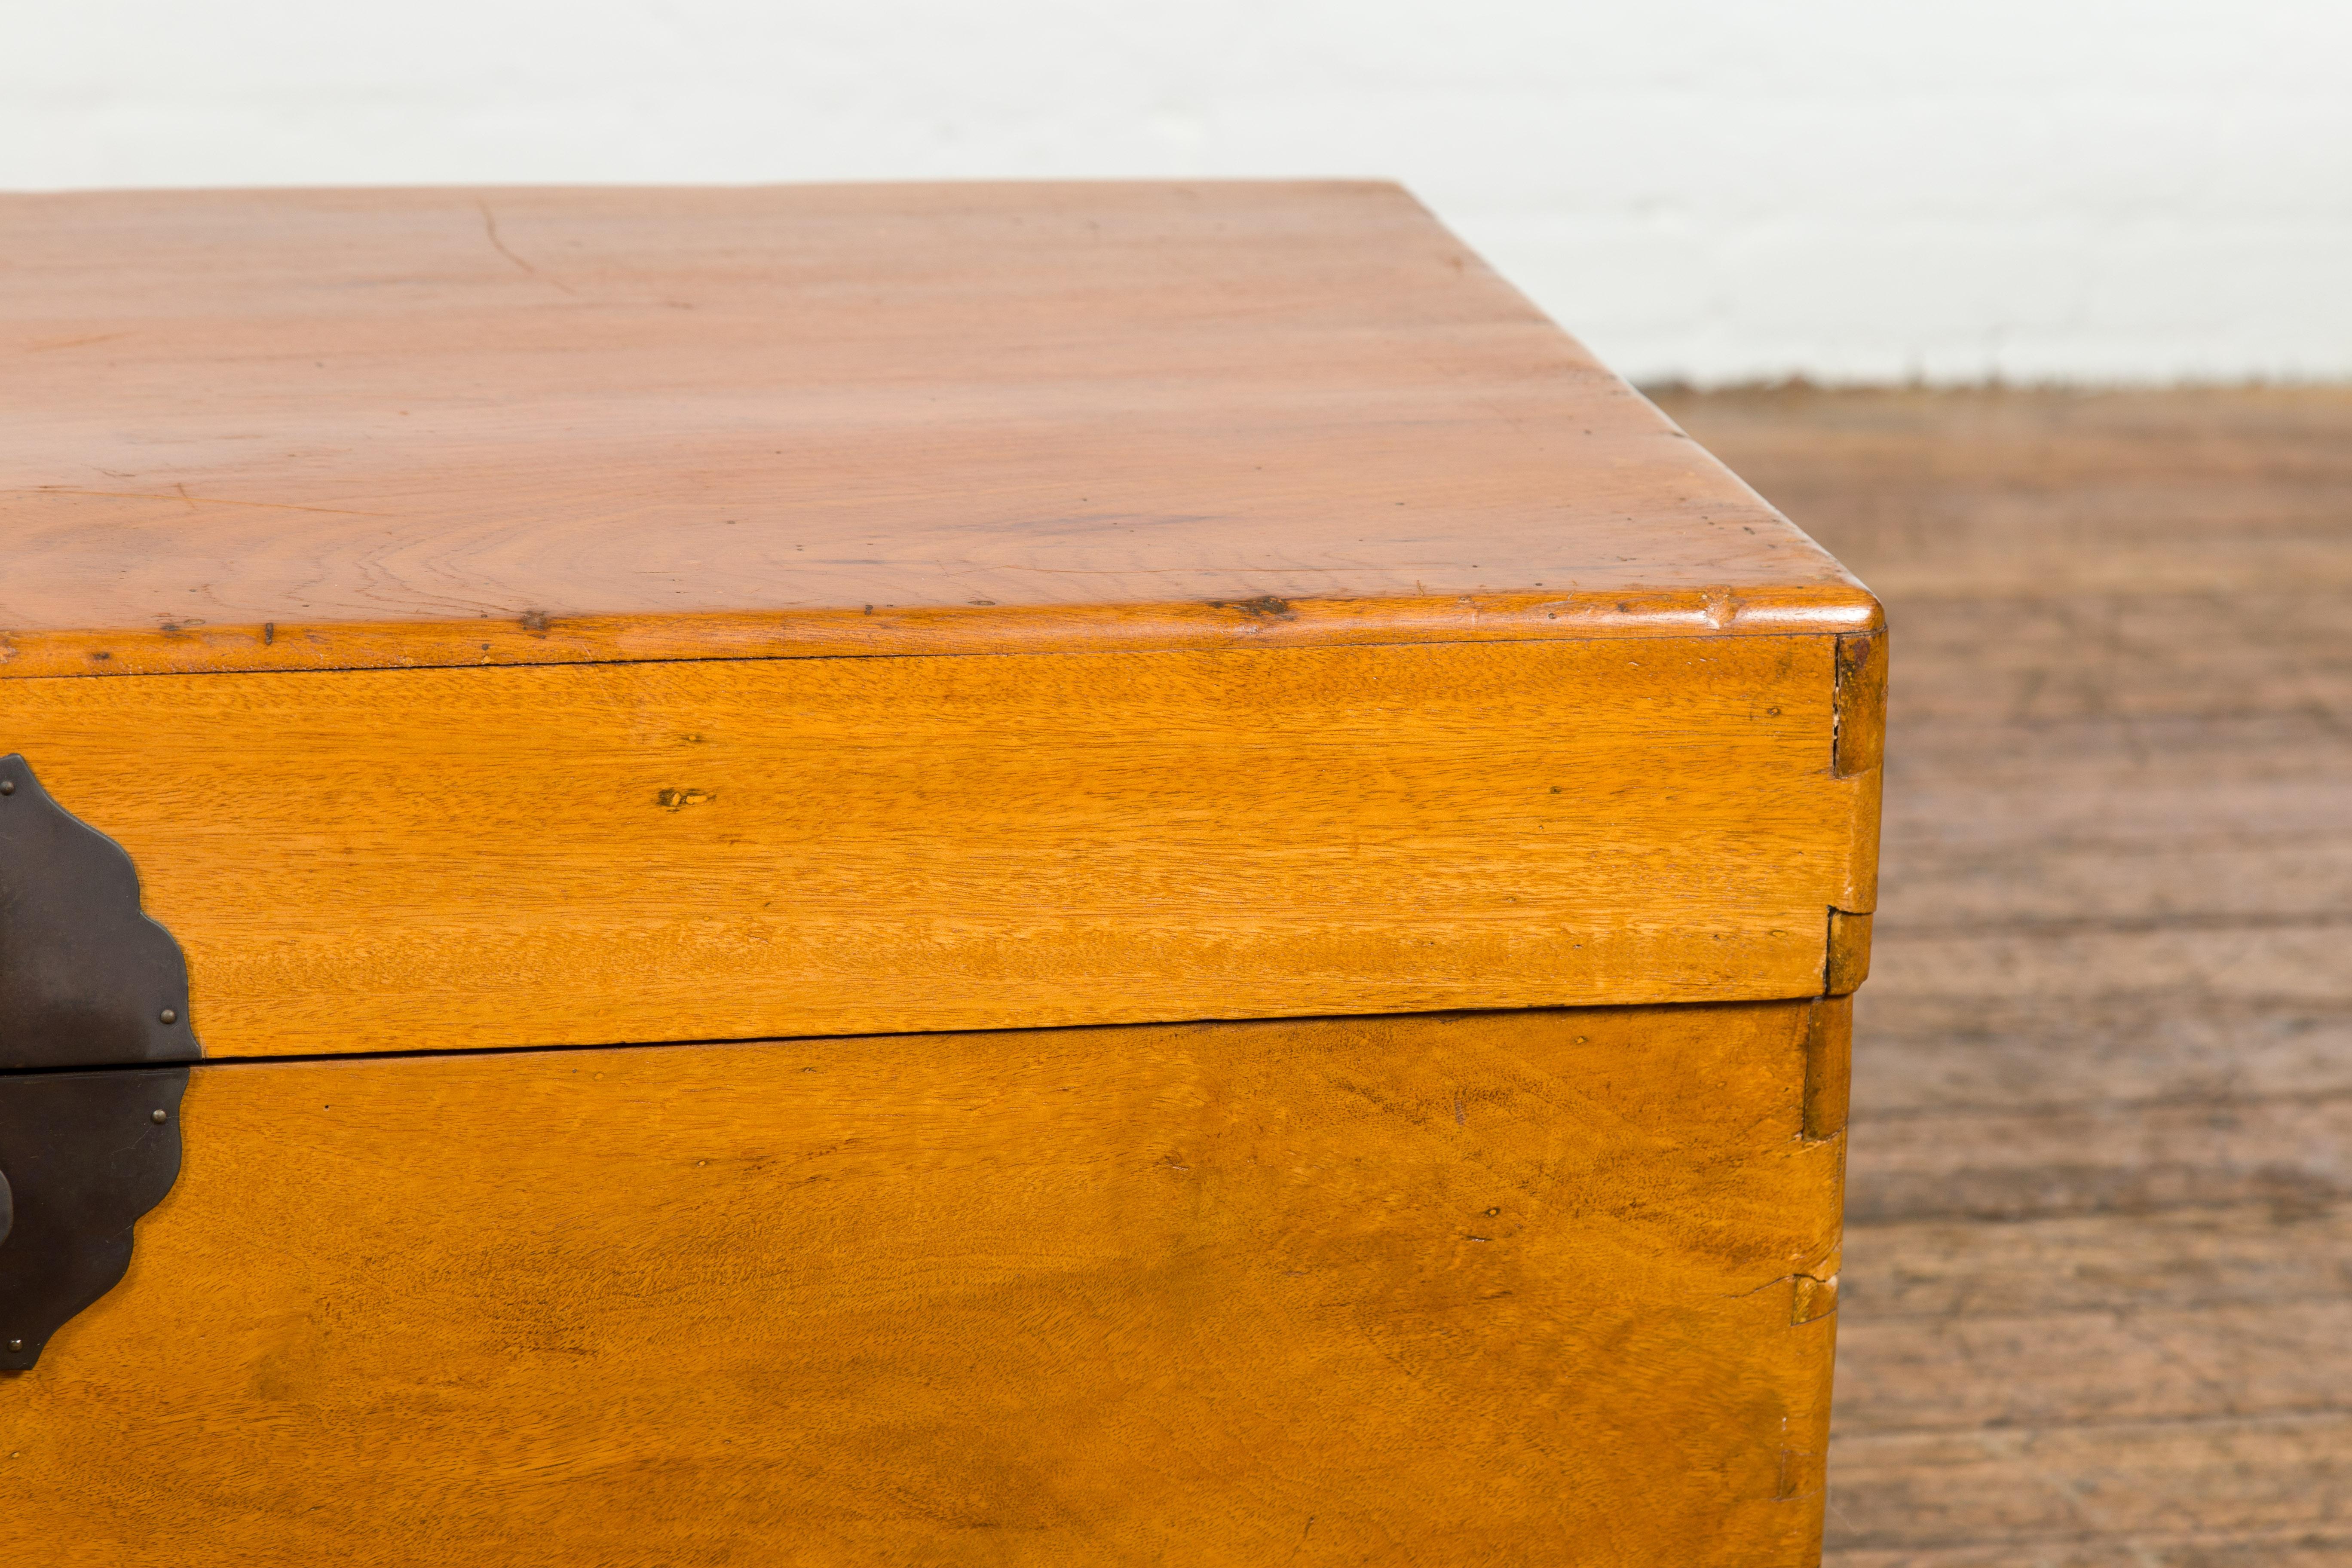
x=93 y=995
x=86 y=1159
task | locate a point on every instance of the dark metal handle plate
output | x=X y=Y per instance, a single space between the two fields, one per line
x=92 y=996
x=85 y=1158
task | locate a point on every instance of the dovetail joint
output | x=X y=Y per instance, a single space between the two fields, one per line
x=1858 y=705
x=1829 y=1067
x=1846 y=961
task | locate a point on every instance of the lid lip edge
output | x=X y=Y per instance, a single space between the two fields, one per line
x=1264 y=623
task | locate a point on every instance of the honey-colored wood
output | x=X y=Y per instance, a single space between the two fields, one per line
x=498 y=621
x=313 y=429
x=825 y=655
x=1482 y=1289
x=587 y=854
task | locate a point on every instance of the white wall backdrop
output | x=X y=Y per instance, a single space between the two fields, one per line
x=1704 y=189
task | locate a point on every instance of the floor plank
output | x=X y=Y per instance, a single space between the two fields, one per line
x=1942 y=1051
x=1929 y=1271
x=2277 y=1475
x=2097 y=1300
x=2039 y=1368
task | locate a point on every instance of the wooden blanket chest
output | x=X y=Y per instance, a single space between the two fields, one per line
x=998 y=875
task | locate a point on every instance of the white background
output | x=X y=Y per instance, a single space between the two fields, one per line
x=1708 y=190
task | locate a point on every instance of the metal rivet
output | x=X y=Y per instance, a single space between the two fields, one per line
x=159 y=1117
x=169 y=1017
x=7 y=786
x=16 y=1344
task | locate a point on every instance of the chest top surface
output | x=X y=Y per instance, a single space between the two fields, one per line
x=257 y=430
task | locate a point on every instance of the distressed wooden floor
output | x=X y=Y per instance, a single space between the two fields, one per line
x=2097 y=1301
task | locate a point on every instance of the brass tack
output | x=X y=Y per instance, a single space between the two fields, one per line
x=159 y=1117
x=169 y=1017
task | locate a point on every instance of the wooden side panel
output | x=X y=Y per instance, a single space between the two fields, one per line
x=728 y=850
x=1507 y=1289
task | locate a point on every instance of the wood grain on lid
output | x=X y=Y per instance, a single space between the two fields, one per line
x=316 y=429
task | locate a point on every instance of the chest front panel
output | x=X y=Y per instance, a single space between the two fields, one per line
x=1113 y=1295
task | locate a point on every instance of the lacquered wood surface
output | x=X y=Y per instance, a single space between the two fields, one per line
x=586 y=854
x=1518 y=1289
x=322 y=429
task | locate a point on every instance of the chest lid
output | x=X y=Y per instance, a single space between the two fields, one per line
x=539 y=617
x=314 y=429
